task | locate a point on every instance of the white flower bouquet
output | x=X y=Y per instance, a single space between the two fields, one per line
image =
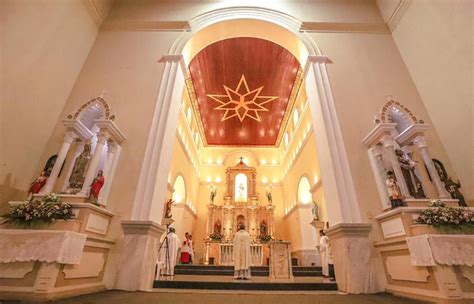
x=441 y=216
x=44 y=210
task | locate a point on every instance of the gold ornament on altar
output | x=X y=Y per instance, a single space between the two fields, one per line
x=242 y=102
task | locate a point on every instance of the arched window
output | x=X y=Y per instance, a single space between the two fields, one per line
x=189 y=115
x=295 y=117
x=400 y=118
x=304 y=191
x=179 y=194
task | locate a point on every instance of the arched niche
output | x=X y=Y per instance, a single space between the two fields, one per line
x=179 y=186
x=304 y=191
x=395 y=112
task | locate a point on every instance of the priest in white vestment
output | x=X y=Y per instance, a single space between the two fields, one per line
x=171 y=246
x=242 y=257
x=324 y=252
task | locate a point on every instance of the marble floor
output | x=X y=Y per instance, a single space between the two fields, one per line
x=232 y=297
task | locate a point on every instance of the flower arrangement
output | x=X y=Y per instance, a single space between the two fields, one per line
x=441 y=216
x=215 y=237
x=45 y=210
x=265 y=238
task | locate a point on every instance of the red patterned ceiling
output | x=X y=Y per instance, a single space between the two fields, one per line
x=242 y=91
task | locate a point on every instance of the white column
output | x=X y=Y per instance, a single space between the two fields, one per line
x=91 y=171
x=420 y=142
x=338 y=186
x=113 y=156
x=79 y=149
x=389 y=145
x=375 y=157
x=68 y=139
x=148 y=203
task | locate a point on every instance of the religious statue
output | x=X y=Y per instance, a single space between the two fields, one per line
x=269 y=197
x=213 y=194
x=217 y=227
x=37 y=185
x=79 y=170
x=393 y=190
x=315 y=211
x=443 y=175
x=96 y=186
x=453 y=189
x=263 y=228
x=408 y=167
x=168 y=205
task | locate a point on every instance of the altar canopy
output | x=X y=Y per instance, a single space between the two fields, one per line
x=240 y=205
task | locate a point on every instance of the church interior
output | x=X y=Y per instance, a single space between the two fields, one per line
x=139 y=138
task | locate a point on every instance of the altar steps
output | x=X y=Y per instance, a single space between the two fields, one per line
x=298 y=271
x=221 y=278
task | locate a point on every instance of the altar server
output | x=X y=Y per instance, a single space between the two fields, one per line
x=242 y=254
x=324 y=252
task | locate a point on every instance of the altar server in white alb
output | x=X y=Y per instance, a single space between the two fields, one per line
x=242 y=254
x=324 y=253
x=171 y=246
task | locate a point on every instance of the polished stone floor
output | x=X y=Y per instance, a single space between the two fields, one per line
x=232 y=297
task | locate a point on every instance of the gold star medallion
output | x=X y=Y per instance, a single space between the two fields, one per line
x=242 y=102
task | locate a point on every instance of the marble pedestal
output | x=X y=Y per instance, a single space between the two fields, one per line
x=139 y=255
x=280 y=262
x=351 y=254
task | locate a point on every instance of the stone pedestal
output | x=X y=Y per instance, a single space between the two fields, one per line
x=351 y=254
x=139 y=255
x=280 y=262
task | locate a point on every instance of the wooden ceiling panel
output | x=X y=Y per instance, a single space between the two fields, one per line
x=242 y=88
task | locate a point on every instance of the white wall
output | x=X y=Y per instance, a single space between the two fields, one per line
x=435 y=40
x=44 y=45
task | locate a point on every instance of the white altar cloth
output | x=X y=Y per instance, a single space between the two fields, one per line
x=64 y=247
x=432 y=249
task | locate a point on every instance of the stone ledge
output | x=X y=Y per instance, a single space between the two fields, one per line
x=142 y=227
x=349 y=229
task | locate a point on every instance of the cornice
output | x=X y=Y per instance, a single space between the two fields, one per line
x=398 y=14
x=345 y=27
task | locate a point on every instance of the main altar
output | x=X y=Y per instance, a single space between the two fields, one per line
x=240 y=205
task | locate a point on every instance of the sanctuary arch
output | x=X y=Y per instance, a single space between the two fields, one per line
x=343 y=211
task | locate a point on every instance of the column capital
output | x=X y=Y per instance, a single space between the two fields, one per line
x=376 y=150
x=69 y=137
x=112 y=146
x=420 y=142
x=388 y=141
x=102 y=137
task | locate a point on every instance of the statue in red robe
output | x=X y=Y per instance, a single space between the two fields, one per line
x=37 y=185
x=96 y=186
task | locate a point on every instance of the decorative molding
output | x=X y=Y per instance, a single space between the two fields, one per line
x=398 y=14
x=384 y=117
x=78 y=128
x=90 y=266
x=142 y=227
x=349 y=230
x=145 y=26
x=398 y=210
x=399 y=268
x=376 y=134
x=411 y=133
x=341 y=27
x=97 y=224
x=112 y=130
x=17 y=270
x=94 y=11
x=393 y=228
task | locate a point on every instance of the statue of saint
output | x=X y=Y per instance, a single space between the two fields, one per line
x=393 y=190
x=37 y=185
x=408 y=167
x=269 y=197
x=213 y=194
x=453 y=189
x=217 y=227
x=315 y=211
x=168 y=205
x=78 y=174
x=96 y=186
x=263 y=228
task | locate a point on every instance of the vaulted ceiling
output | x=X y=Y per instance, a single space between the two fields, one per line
x=243 y=90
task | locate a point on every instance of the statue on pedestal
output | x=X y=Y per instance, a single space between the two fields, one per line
x=315 y=211
x=408 y=167
x=96 y=186
x=168 y=205
x=217 y=231
x=76 y=180
x=263 y=228
x=453 y=189
x=37 y=185
x=393 y=190
x=213 y=194
x=269 y=197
